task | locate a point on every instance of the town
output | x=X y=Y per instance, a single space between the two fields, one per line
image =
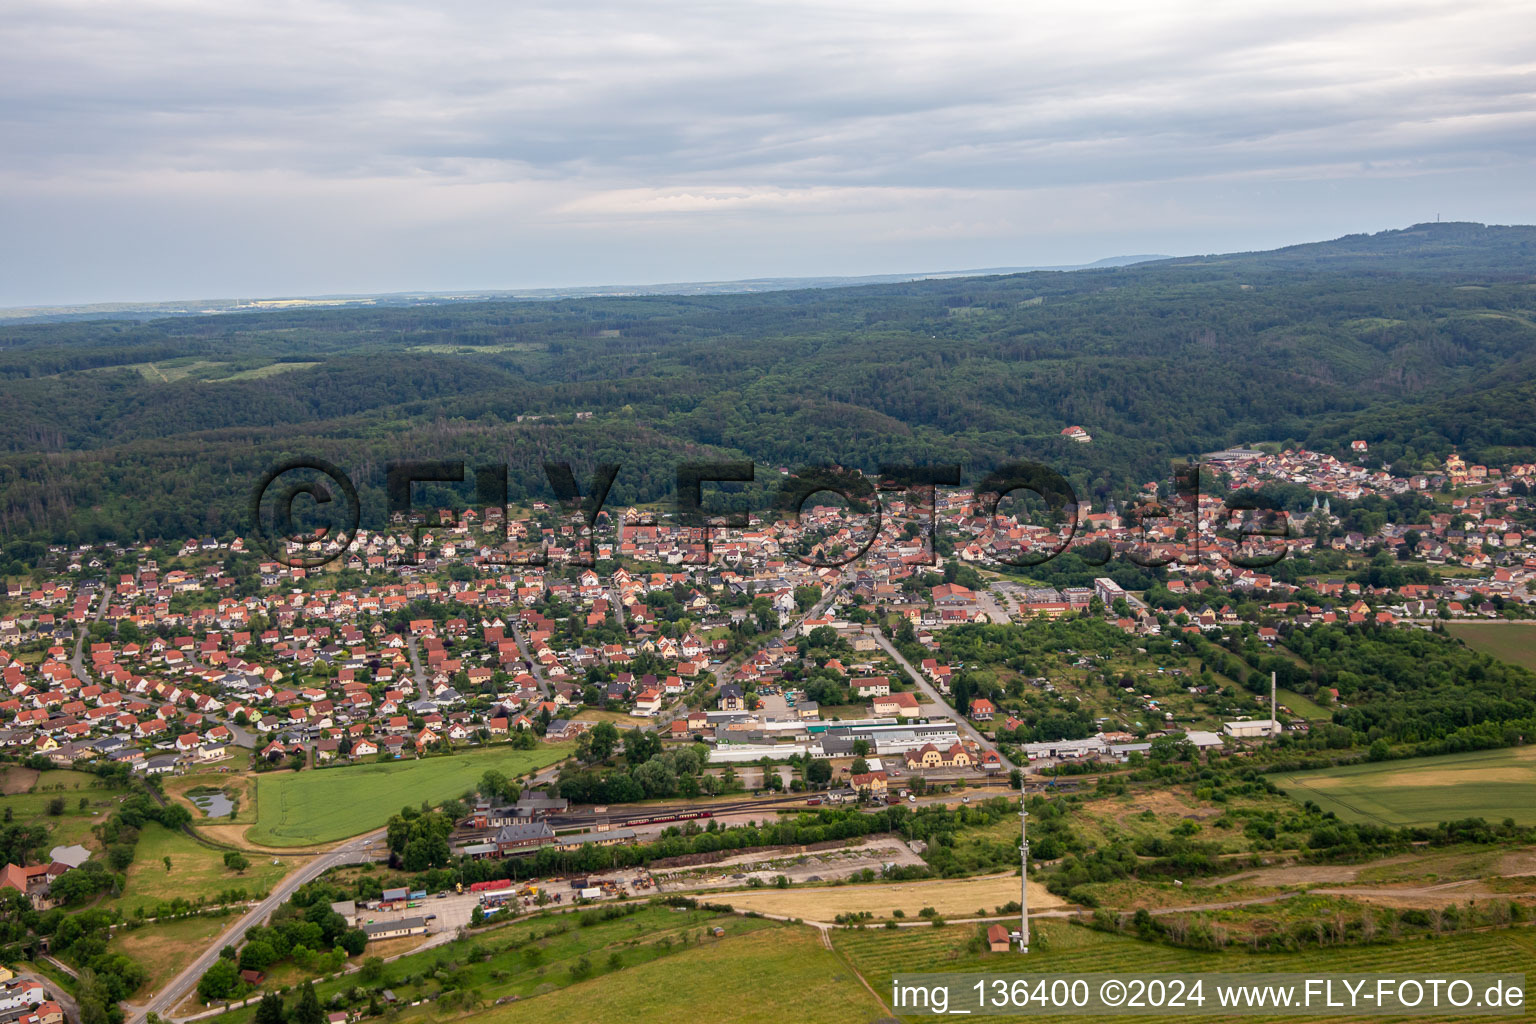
x=760 y=679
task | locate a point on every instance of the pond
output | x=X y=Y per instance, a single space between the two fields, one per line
x=214 y=805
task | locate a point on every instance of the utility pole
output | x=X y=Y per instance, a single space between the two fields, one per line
x=1023 y=876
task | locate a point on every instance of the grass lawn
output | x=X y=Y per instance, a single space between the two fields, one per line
x=1303 y=706
x=846 y=712
x=1491 y=784
x=621 y=720
x=1515 y=644
x=164 y=949
x=197 y=872
x=324 y=805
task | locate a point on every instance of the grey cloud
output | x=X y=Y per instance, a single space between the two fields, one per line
x=540 y=106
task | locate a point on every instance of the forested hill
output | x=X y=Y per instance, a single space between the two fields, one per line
x=1415 y=340
x=1420 y=249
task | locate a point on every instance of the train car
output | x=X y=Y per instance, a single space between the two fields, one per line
x=662 y=819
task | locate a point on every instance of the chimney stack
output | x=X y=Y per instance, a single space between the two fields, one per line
x=1274 y=720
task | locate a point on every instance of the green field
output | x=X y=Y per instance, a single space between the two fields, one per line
x=197 y=871
x=1491 y=784
x=1303 y=706
x=880 y=954
x=30 y=806
x=324 y=805
x=541 y=956
x=1515 y=644
x=772 y=976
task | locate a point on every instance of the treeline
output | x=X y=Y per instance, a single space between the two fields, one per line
x=939 y=826
x=1158 y=361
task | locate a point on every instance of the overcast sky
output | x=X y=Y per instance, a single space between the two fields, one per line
x=199 y=149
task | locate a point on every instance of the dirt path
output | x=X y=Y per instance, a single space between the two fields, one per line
x=826 y=938
x=1299 y=874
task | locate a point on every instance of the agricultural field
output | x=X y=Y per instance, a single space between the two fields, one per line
x=1515 y=643
x=197 y=871
x=1058 y=947
x=1491 y=784
x=768 y=977
x=327 y=804
x=538 y=956
x=28 y=793
x=950 y=897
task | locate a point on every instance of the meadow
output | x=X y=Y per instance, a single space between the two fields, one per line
x=324 y=805
x=28 y=794
x=771 y=976
x=543 y=955
x=164 y=948
x=1061 y=948
x=197 y=872
x=1515 y=644
x=1491 y=784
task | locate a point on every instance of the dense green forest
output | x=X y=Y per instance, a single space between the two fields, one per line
x=1415 y=340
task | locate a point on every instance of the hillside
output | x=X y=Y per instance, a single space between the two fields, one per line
x=1417 y=339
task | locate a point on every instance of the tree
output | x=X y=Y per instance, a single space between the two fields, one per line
x=167 y=862
x=270 y=1009
x=236 y=861
x=640 y=746
x=605 y=738
x=74 y=886
x=493 y=785
x=220 y=982
x=373 y=968
x=818 y=772
x=307 y=1010
x=353 y=940
x=93 y=999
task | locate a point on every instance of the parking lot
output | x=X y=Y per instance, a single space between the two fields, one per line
x=452 y=912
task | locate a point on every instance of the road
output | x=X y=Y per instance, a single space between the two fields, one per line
x=353 y=851
x=965 y=728
x=417 y=672
x=523 y=652
x=77 y=660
